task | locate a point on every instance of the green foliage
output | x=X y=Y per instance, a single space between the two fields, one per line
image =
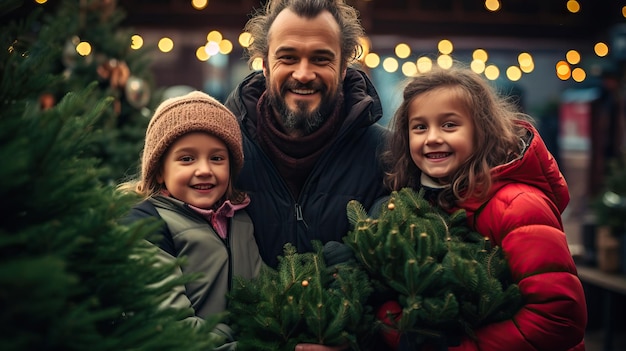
x=46 y=37
x=302 y=300
x=72 y=277
x=447 y=277
x=610 y=206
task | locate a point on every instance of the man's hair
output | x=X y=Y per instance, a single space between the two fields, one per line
x=347 y=17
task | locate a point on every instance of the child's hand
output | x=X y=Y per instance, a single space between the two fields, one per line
x=319 y=347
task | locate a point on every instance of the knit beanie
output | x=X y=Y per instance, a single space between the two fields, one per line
x=177 y=116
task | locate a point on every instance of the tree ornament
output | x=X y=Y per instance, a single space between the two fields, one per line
x=115 y=71
x=137 y=92
x=305 y=283
x=46 y=101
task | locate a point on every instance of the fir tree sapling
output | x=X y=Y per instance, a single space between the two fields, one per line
x=302 y=301
x=448 y=279
x=73 y=278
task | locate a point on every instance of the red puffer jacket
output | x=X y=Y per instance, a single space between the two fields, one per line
x=523 y=216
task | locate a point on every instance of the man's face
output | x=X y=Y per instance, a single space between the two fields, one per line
x=303 y=70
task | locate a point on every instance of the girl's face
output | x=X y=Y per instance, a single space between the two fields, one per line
x=196 y=169
x=441 y=133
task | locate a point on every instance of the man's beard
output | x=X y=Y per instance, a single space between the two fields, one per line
x=301 y=121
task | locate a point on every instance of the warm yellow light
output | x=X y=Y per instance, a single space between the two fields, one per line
x=165 y=44
x=199 y=4
x=513 y=73
x=83 y=48
x=444 y=61
x=215 y=36
x=402 y=50
x=601 y=49
x=136 y=42
x=226 y=46
x=480 y=54
x=445 y=47
x=624 y=11
x=573 y=57
x=201 y=54
x=563 y=70
x=477 y=66
x=492 y=5
x=245 y=39
x=424 y=64
x=257 y=64
x=562 y=67
x=41 y=1
x=409 y=69
x=528 y=68
x=390 y=64
x=492 y=72
x=524 y=59
x=573 y=6
x=578 y=74
x=372 y=60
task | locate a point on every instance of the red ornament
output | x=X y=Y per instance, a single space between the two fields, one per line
x=46 y=101
x=390 y=335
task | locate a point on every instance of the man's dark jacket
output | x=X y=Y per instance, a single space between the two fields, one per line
x=348 y=170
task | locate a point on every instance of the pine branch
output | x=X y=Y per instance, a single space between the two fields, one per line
x=309 y=302
x=448 y=278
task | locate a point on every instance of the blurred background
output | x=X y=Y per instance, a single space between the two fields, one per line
x=563 y=60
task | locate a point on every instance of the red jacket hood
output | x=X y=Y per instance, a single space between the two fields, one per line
x=536 y=167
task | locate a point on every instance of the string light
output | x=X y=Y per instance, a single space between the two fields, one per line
x=601 y=49
x=477 y=66
x=445 y=61
x=390 y=64
x=372 y=60
x=201 y=54
x=199 y=4
x=480 y=54
x=513 y=73
x=492 y=72
x=445 y=47
x=424 y=64
x=409 y=69
x=402 y=50
x=166 y=44
x=136 y=42
x=579 y=74
x=573 y=57
x=217 y=44
x=245 y=39
x=573 y=6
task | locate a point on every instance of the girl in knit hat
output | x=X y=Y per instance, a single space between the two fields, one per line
x=192 y=154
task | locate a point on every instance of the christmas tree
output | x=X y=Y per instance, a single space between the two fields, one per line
x=301 y=301
x=610 y=206
x=72 y=277
x=88 y=44
x=447 y=278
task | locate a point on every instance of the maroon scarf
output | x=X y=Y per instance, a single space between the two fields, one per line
x=294 y=157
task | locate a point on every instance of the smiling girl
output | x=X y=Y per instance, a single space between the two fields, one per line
x=191 y=156
x=469 y=148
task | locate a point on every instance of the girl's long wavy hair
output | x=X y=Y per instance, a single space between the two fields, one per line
x=496 y=136
x=346 y=16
